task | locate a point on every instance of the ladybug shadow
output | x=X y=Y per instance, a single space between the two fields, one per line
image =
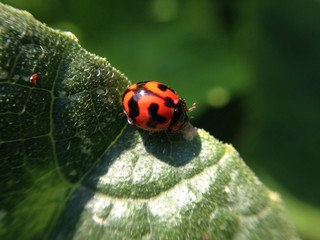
x=171 y=148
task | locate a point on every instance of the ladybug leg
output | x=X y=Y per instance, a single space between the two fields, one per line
x=122 y=114
x=130 y=121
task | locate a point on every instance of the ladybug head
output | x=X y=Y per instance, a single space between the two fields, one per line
x=180 y=117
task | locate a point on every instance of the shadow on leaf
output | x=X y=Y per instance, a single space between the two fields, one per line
x=171 y=148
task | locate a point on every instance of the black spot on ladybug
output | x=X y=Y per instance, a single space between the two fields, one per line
x=162 y=87
x=155 y=118
x=169 y=102
x=133 y=109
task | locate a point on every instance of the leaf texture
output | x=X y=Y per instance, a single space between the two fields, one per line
x=71 y=168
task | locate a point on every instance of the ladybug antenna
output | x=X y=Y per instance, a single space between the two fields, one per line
x=193 y=106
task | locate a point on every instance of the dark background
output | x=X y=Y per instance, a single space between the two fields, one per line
x=253 y=68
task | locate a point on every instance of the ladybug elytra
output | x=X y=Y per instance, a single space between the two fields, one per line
x=153 y=106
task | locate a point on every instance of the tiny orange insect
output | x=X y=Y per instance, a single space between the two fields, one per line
x=34 y=79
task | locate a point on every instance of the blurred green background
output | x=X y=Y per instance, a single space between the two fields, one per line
x=252 y=67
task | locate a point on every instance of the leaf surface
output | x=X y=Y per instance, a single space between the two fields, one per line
x=71 y=168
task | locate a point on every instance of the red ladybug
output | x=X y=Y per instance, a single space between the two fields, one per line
x=153 y=106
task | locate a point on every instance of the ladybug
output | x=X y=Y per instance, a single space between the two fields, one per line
x=153 y=106
x=34 y=79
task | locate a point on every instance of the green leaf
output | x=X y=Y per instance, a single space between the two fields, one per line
x=71 y=168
